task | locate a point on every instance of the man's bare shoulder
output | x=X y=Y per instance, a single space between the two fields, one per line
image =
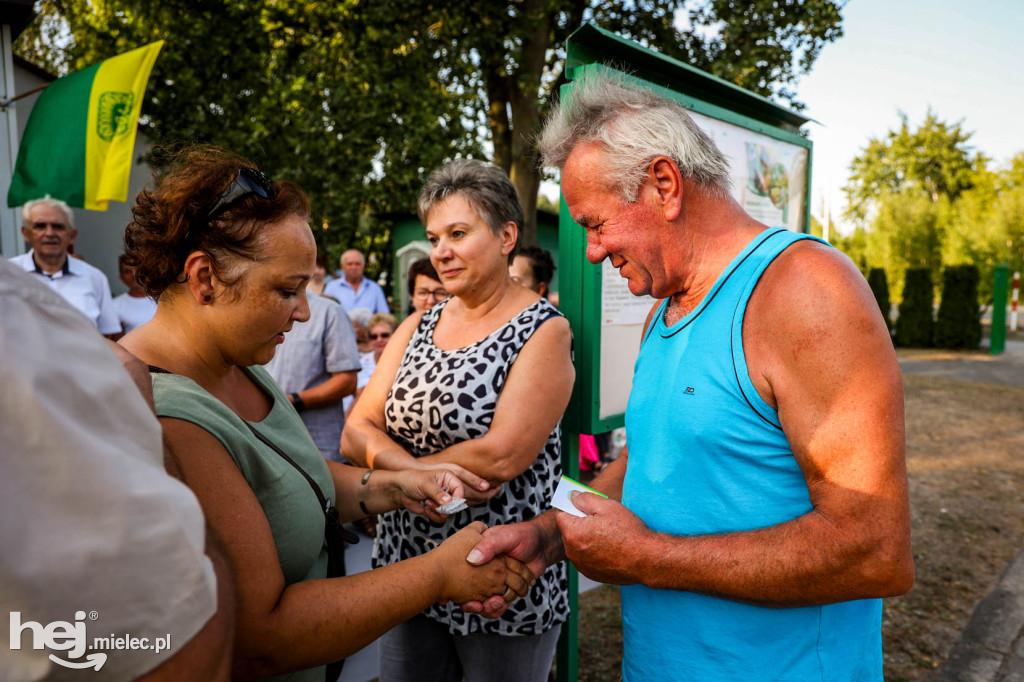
x=812 y=281
x=812 y=315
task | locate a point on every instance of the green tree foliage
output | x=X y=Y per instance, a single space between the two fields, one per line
x=512 y=54
x=958 y=324
x=935 y=161
x=325 y=94
x=358 y=100
x=880 y=288
x=923 y=198
x=915 y=322
x=908 y=232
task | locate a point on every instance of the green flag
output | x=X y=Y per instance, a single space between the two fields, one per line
x=80 y=136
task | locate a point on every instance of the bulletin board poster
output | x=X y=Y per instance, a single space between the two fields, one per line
x=769 y=180
x=769 y=176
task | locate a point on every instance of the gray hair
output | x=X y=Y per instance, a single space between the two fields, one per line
x=633 y=125
x=485 y=186
x=49 y=202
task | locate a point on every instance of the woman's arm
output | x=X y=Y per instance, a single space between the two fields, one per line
x=329 y=392
x=419 y=490
x=532 y=401
x=365 y=436
x=281 y=628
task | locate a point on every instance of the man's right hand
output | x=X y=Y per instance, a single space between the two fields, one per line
x=535 y=543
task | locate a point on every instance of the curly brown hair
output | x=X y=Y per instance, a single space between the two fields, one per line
x=169 y=221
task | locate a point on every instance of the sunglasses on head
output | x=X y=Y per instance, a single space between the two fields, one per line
x=247 y=181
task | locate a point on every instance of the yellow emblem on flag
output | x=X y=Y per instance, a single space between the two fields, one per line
x=114 y=106
x=114 y=115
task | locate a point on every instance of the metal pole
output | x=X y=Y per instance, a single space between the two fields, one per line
x=997 y=333
x=11 y=243
x=4 y=103
x=1013 y=304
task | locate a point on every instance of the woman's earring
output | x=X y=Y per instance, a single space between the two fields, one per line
x=207 y=299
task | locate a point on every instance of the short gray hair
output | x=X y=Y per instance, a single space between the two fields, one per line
x=633 y=125
x=485 y=186
x=49 y=202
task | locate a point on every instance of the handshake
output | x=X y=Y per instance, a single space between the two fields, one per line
x=485 y=569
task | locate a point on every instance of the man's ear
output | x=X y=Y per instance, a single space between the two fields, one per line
x=200 y=277
x=667 y=181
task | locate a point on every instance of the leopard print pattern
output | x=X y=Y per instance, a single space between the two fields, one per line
x=440 y=398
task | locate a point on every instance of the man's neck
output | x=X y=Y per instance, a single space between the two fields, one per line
x=51 y=265
x=722 y=231
x=354 y=284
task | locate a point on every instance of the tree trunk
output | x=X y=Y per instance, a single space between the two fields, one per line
x=524 y=92
x=497 y=119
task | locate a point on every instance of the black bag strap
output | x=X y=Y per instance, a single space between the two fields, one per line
x=330 y=512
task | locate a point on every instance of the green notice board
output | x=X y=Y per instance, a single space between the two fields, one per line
x=770 y=168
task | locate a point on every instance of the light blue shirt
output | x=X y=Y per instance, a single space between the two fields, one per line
x=369 y=295
x=708 y=455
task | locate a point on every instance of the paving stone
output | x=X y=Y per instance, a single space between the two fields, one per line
x=1013 y=670
x=970 y=664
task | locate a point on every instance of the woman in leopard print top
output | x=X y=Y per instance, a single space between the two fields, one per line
x=479 y=381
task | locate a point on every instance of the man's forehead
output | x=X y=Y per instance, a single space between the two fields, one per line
x=49 y=212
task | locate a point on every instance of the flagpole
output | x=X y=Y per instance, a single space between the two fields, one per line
x=4 y=103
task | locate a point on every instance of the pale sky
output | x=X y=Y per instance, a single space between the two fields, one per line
x=964 y=58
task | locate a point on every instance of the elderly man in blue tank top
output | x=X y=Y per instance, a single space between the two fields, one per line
x=761 y=512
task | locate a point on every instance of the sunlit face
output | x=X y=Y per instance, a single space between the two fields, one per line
x=271 y=295
x=628 y=234
x=353 y=265
x=426 y=292
x=48 y=231
x=521 y=272
x=463 y=250
x=380 y=334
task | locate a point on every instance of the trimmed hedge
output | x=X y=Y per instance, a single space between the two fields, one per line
x=959 y=322
x=915 y=325
x=880 y=288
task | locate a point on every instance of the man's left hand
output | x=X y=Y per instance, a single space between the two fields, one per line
x=603 y=543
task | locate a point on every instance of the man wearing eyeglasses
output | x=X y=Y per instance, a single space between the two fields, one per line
x=354 y=290
x=49 y=228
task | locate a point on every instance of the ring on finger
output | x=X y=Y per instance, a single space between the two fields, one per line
x=505 y=594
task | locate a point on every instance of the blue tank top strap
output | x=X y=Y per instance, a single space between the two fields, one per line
x=752 y=268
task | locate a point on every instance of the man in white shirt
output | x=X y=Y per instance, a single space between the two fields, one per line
x=49 y=227
x=354 y=290
x=133 y=307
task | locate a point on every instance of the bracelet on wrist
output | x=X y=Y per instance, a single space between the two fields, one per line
x=297 y=402
x=365 y=481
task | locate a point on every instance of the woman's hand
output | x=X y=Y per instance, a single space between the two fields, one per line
x=423 y=490
x=461 y=581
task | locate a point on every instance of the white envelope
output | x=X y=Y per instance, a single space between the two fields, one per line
x=561 y=497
